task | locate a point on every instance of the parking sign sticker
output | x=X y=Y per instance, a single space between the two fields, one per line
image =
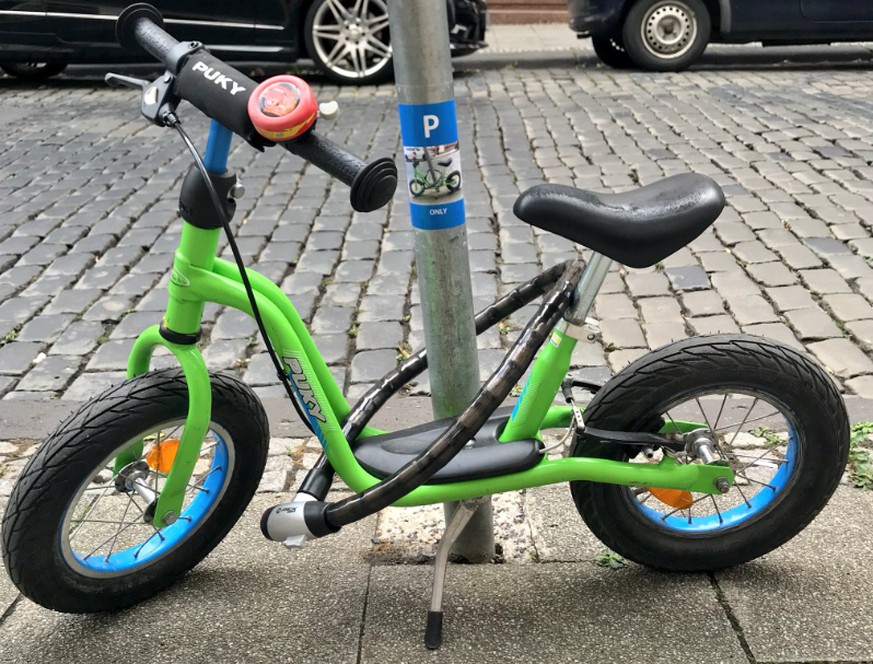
x=433 y=164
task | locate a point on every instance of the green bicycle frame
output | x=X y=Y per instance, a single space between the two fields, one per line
x=198 y=277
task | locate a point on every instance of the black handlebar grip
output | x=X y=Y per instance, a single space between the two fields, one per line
x=373 y=185
x=221 y=92
x=141 y=25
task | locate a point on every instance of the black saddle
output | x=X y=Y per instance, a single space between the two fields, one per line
x=445 y=162
x=637 y=228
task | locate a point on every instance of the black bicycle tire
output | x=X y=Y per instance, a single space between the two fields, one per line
x=41 y=497
x=630 y=399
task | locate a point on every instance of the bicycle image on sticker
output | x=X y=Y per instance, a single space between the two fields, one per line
x=433 y=173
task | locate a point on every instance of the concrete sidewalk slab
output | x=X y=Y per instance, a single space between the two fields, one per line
x=810 y=600
x=559 y=533
x=250 y=601
x=559 y=612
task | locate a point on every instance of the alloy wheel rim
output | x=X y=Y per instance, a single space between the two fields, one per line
x=351 y=37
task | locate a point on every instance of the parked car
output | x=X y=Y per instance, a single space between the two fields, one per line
x=669 y=35
x=347 y=39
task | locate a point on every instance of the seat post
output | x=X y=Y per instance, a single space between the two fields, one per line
x=589 y=285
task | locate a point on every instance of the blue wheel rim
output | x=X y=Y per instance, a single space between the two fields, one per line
x=752 y=507
x=155 y=547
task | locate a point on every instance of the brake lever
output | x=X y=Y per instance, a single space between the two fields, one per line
x=119 y=80
x=159 y=99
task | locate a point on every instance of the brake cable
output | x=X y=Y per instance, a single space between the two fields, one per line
x=302 y=411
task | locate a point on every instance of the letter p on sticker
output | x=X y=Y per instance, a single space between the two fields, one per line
x=431 y=122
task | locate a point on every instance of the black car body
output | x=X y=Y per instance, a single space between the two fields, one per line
x=650 y=33
x=39 y=37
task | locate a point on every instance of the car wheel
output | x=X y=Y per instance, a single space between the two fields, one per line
x=349 y=40
x=666 y=35
x=612 y=52
x=33 y=71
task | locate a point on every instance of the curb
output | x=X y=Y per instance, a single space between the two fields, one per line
x=523 y=59
x=21 y=419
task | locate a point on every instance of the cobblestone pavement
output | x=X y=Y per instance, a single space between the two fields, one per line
x=88 y=224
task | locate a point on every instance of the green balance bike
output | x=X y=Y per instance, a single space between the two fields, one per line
x=703 y=454
x=433 y=178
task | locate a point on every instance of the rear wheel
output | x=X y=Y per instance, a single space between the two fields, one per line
x=33 y=71
x=453 y=181
x=666 y=35
x=777 y=420
x=78 y=537
x=612 y=52
x=349 y=40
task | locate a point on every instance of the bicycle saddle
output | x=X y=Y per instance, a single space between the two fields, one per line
x=637 y=228
x=445 y=162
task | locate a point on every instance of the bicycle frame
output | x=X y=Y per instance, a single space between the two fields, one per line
x=199 y=276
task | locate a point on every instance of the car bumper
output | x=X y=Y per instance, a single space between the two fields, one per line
x=590 y=17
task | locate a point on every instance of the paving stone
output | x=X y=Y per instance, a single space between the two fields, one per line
x=16 y=357
x=775 y=331
x=376 y=335
x=619 y=359
x=862 y=386
x=647 y=284
x=615 y=305
x=752 y=309
x=660 y=310
x=772 y=274
x=842 y=358
x=381 y=308
x=753 y=252
x=51 y=374
x=824 y=281
x=718 y=261
x=371 y=365
x=723 y=324
x=848 y=306
x=332 y=320
x=734 y=284
x=690 y=278
x=790 y=297
x=622 y=333
x=798 y=257
x=111 y=356
x=333 y=347
x=661 y=333
x=862 y=330
x=812 y=324
x=233 y=324
x=45 y=329
x=73 y=301
x=826 y=245
x=702 y=303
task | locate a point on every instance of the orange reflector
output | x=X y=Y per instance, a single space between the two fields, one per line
x=162 y=455
x=677 y=498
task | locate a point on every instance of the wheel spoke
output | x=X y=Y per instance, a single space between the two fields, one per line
x=377 y=23
x=720 y=411
x=373 y=45
x=337 y=54
x=115 y=535
x=743 y=423
x=118 y=532
x=756 y=419
x=715 y=505
x=752 y=479
x=327 y=32
x=339 y=12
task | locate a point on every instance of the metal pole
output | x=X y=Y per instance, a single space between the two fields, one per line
x=429 y=128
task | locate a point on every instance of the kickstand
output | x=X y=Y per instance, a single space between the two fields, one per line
x=433 y=633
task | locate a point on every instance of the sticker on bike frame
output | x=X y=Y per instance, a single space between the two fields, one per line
x=306 y=393
x=433 y=164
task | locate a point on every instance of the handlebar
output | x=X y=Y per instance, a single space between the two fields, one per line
x=222 y=93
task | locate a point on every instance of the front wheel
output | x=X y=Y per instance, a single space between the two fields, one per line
x=666 y=35
x=453 y=181
x=349 y=41
x=612 y=52
x=78 y=538
x=776 y=418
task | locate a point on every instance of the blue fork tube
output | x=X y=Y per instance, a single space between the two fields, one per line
x=217 y=148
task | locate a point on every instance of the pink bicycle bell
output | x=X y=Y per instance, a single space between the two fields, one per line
x=282 y=108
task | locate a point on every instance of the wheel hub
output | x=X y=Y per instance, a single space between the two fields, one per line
x=669 y=29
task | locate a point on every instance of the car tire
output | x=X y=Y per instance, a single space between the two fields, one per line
x=612 y=52
x=33 y=71
x=666 y=35
x=351 y=46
